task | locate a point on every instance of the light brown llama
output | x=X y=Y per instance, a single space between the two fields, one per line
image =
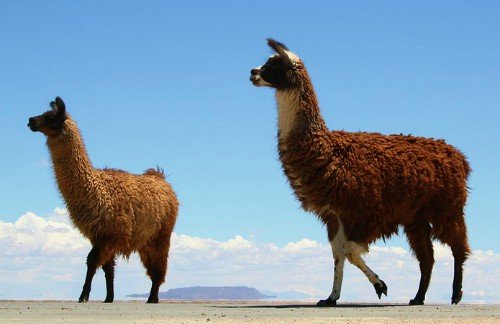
x=363 y=186
x=117 y=211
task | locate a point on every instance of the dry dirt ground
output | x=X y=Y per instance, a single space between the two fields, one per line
x=241 y=312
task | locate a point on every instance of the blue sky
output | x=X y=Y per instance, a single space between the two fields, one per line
x=166 y=83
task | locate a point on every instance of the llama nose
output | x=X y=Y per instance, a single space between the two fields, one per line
x=254 y=71
x=32 y=124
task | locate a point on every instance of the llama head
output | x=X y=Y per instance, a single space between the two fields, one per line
x=280 y=70
x=51 y=122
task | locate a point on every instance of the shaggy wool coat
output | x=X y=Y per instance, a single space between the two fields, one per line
x=129 y=210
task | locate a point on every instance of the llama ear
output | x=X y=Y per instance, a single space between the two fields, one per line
x=281 y=49
x=59 y=105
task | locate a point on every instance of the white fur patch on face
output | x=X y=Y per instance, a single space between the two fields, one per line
x=257 y=79
x=292 y=56
x=259 y=82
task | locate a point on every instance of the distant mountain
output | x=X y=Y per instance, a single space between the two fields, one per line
x=209 y=293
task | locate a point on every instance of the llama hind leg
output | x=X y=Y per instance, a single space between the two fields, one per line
x=353 y=253
x=461 y=251
x=155 y=262
x=456 y=237
x=419 y=238
x=460 y=254
x=109 y=273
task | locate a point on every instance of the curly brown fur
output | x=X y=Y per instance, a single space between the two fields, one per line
x=367 y=184
x=158 y=172
x=117 y=211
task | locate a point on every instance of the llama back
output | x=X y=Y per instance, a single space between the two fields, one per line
x=384 y=177
x=406 y=166
x=152 y=212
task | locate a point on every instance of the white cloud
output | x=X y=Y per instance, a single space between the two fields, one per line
x=63 y=277
x=388 y=250
x=45 y=258
x=301 y=246
x=237 y=243
x=34 y=235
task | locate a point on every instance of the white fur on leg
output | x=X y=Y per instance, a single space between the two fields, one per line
x=338 y=249
x=338 y=276
x=353 y=252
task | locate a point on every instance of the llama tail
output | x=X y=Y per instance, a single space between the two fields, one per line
x=156 y=172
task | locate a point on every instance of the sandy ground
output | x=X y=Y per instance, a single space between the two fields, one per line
x=245 y=312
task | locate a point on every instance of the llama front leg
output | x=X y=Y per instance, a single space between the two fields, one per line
x=338 y=276
x=338 y=251
x=94 y=260
x=353 y=253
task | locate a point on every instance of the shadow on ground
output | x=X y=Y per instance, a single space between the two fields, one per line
x=347 y=305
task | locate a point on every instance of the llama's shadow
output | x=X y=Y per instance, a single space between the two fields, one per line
x=285 y=306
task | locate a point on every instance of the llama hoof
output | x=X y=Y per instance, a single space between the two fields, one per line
x=109 y=298
x=83 y=298
x=456 y=298
x=380 y=288
x=326 y=302
x=415 y=301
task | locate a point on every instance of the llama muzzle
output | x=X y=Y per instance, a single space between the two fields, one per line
x=254 y=76
x=33 y=124
x=256 y=79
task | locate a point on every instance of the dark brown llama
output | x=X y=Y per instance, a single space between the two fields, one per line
x=117 y=211
x=363 y=186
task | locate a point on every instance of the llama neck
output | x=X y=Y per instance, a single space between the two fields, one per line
x=298 y=109
x=72 y=166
